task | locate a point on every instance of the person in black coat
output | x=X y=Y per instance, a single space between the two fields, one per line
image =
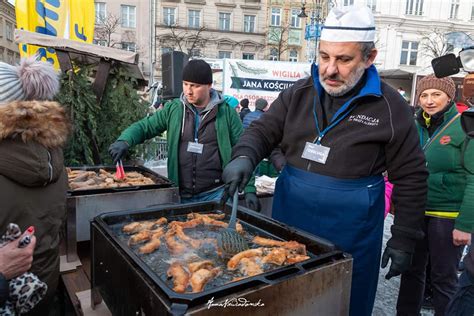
x=244 y=104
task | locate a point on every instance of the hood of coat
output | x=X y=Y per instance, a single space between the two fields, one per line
x=44 y=122
x=31 y=138
x=216 y=98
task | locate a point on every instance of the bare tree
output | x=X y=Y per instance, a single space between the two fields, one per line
x=106 y=27
x=278 y=39
x=434 y=44
x=186 y=40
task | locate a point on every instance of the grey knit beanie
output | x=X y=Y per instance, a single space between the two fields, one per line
x=261 y=104
x=31 y=80
x=445 y=84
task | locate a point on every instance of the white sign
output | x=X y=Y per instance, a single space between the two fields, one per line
x=253 y=79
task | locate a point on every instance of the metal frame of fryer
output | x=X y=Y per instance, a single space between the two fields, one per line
x=120 y=260
x=84 y=205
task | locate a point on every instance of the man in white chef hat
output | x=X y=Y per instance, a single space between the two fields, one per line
x=340 y=129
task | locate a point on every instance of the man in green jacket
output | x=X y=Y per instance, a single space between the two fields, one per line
x=201 y=130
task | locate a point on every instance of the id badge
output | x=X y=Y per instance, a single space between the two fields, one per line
x=314 y=152
x=195 y=147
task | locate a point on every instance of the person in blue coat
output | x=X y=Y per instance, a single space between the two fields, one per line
x=339 y=130
x=261 y=105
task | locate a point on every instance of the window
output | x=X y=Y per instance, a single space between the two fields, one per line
x=10 y=58
x=372 y=4
x=249 y=23
x=295 y=20
x=223 y=54
x=9 y=31
x=224 y=21
x=128 y=16
x=414 y=7
x=294 y=37
x=409 y=53
x=100 y=12
x=348 y=2
x=273 y=54
x=453 y=14
x=1 y=27
x=248 y=56
x=194 y=18
x=293 y=56
x=472 y=13
x=130 y=46
x=169 y=15
x=100 y=42
x=165 y=50
x=195 y=52
x=276 y=17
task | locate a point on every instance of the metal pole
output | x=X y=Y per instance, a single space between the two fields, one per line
x=151 y=54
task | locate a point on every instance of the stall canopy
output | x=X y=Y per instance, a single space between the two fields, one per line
x=68 y=50
x=395 y=74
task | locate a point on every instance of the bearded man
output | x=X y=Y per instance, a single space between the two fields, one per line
x=340 y=129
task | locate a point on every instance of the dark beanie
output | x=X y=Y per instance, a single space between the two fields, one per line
x=197 y=71
x=244 y=103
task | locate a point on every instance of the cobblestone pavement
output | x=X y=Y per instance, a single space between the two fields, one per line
x=387 y=290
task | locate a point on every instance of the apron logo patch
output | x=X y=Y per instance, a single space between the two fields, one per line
x=364 y=119
x=445 y=140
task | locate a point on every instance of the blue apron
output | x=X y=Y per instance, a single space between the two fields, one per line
x=347 y=212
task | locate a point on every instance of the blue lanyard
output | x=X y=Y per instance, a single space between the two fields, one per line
x=197 y=121
x=335 y=119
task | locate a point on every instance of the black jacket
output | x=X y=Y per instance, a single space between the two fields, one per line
x=378 y=134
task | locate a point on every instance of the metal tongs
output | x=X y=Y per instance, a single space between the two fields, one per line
x=230 y=242
x=119 y=172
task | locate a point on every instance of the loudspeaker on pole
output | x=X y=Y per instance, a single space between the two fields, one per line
x=172 y=64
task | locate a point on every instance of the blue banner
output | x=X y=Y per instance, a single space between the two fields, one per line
x=312 y=31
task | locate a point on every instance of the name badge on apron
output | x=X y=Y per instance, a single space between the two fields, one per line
x=195 y=147
x=315 y=152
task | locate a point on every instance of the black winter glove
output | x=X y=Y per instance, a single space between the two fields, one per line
x=237 y=174
x=118 y=150
x=252 y=202
x=401 y=261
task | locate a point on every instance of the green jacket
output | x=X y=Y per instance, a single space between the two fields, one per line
x=228 y=128
x=450 y=162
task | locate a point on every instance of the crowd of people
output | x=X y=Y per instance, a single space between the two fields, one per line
x=337 y=132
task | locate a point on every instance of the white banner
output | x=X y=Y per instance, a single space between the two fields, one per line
x=253 y=79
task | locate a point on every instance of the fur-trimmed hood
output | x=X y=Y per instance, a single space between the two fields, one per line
x=42 y=121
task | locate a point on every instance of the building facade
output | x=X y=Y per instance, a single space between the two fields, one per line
x=293 y=29
x=125 y=24
x=9 y=51
x=211 y=29
x=410 y=33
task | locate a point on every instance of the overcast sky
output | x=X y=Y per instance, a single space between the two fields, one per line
x=12 y=1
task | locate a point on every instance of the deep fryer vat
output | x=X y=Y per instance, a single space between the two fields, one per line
x=321 y=251
x=160 y=181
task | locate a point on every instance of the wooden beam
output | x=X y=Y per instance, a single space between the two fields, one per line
x=64 y=60
x=101 y=78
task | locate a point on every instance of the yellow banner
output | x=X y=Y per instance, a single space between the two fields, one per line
x=45 y=17
x=82 y=19
x=73 y=19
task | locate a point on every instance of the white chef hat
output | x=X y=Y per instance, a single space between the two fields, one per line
x=349 y=24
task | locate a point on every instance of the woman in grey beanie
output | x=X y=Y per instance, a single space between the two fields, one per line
x=33 y=181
